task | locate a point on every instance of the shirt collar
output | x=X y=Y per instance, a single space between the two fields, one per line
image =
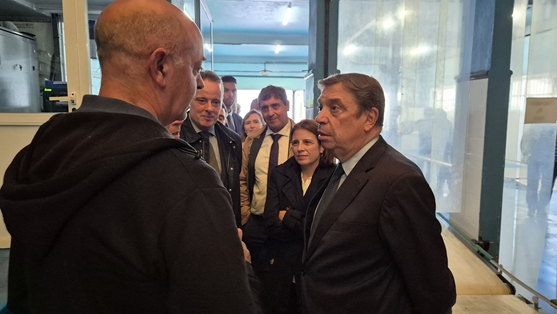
x=197 y=129
x=351 y=163
x=285 y=131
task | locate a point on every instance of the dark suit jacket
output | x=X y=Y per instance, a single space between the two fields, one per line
x=230 y=151
x=238 y=121
x=284 y=244
x=281 y=255
x=378 y=247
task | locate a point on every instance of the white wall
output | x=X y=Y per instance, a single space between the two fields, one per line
x=16 y=132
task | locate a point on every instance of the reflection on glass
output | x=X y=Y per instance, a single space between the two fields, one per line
x=415 y=52
x=207 y=33
x=528 y=237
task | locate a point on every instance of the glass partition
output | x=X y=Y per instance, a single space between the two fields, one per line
x=415 y=49
x=528 y=238
x=206 y=27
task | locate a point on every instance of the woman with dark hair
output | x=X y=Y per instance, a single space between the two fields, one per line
x=291 y=186
x=253 y=121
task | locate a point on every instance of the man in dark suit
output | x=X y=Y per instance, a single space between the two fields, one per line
x=373 y=244
x=220 y=146
x=234 y=121
x=263 y=150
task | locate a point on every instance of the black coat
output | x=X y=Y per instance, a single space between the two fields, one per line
x=108 y=214
x=377 y=247
x=281 y=256
x=230 y=150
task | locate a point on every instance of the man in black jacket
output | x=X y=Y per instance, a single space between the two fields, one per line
x=220 y=146
x=110 y=214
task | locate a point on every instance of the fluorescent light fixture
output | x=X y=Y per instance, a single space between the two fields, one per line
x=287 y=14
x=208 y=47
x=277 y=49
x=401 y=14
x=349 y=50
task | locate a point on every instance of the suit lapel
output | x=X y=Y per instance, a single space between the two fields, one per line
x=318 y=180
x=293 y=187
x=345 y=195
x=187 y=132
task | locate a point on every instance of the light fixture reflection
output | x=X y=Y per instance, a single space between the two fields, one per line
x=419 y=50
x=348 y=50
x=208 y=47
x=388 y=23
x=277 y=49
x=401 y=14
x=287 y=14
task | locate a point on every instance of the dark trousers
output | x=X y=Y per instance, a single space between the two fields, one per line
x=282 y=296
x=254 y=236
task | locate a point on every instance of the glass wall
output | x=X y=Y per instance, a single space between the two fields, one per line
x=415 y=49
x=528 y=232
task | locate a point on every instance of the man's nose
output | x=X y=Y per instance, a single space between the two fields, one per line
x=200 y=83
x=320 y=117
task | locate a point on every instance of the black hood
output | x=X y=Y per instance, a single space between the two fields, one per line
x=71 y=158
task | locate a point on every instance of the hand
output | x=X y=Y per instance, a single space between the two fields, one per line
x=281 y=214
x=247 y=255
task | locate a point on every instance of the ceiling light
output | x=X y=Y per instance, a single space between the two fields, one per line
x=349 y=50
x=287 y=14
x=277 y=49
x=208 y=47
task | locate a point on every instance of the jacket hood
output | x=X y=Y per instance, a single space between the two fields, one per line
x=71 y=158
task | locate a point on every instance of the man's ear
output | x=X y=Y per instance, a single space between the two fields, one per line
x=159 y=66
x=371 y=118
x=287 y=105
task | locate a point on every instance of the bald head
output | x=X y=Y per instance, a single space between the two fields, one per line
x=150 y=54
x=132 y=29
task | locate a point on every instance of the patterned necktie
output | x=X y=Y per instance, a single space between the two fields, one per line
x=208 y=152
x=273 y=157
x=328 y=195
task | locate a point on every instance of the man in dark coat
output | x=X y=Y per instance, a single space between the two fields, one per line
x=110 y=214
x=224 y=145
x=374 y=245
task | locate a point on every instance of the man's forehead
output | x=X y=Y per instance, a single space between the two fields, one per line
x=270 y=101
x=211 y=88
x=229 y=85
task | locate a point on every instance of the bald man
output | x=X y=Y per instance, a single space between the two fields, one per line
x=108 y=213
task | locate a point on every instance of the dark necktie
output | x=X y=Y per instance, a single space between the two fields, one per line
x=328 y=195
x=273 y=157
x=231 y=124
x=208 y=152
